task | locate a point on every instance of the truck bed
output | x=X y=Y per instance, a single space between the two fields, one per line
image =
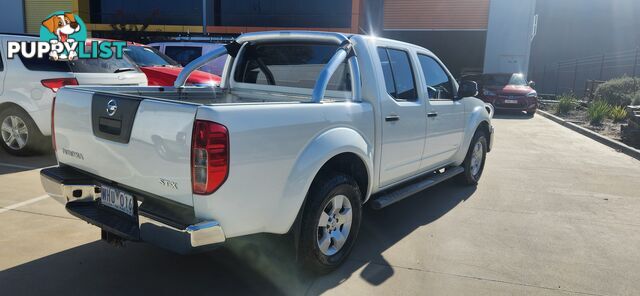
x=212 y=96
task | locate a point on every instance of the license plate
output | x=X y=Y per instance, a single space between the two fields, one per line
x=510 y=101
x=116 y=199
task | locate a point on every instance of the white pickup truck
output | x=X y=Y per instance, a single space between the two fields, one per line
x=305 y=128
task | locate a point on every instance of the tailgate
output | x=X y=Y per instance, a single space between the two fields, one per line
x=145 y=144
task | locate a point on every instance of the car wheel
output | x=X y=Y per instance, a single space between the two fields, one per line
x=474 y=161
x=531 y=112
x=330 y=222
x=18 y=133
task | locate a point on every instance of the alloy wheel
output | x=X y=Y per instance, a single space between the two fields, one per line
x=334 y=225
x=476 y=158
x=15 y=133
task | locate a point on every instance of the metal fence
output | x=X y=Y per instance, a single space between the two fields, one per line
x=579 y=76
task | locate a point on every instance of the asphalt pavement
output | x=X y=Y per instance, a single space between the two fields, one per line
x=555 y=213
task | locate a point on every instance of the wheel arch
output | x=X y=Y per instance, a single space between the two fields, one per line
x=478 y=118
x=7 y=105
x=341 y=149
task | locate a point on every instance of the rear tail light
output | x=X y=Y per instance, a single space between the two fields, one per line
x=209 y=156
x=53 y=131
x=56 y=83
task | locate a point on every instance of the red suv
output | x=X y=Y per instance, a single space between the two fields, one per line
x=506 y=91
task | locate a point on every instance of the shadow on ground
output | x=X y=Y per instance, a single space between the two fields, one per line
x=261 y=264
x=506 y=114
x=13 y=164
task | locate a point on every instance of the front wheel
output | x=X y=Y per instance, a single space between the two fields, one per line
x=330 y=222
x=474 y=161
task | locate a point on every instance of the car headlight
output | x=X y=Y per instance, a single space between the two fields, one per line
x=532 y=94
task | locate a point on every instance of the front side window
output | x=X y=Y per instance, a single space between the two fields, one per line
x=291 y=65
x=439 y=86
x=398 y=74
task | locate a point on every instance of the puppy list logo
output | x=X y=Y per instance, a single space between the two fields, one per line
x=63 y=37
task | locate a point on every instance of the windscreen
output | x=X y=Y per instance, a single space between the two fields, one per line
x=148 y=56
x=291 y=65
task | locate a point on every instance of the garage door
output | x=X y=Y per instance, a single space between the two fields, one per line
x=436 y=14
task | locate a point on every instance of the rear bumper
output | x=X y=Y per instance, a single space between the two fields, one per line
x=151 y=222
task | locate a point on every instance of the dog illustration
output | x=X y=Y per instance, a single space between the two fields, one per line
x=62 y=25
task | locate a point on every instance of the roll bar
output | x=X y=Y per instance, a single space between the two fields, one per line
x=344 y=52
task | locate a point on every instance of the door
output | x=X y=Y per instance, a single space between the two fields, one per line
x=445 y=116
x=404 y=121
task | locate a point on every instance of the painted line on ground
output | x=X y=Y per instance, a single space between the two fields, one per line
x=22 y=204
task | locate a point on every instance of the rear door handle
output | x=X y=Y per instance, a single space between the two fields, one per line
x=392 y=118
x=432 y=114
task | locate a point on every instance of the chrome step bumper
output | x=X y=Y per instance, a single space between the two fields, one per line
x=80 y=194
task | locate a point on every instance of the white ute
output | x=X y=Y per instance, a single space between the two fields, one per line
x=305 y=128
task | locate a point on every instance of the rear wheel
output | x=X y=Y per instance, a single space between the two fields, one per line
x=474 y=161
x=19 y=135
x=330 y=222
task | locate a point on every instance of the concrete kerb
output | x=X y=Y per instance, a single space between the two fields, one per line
x=617 y=145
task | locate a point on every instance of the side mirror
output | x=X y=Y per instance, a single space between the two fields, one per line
x=467 y=88
x=532 y=84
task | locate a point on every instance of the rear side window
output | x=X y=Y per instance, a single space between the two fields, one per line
x=439 y=84
x=44 y=64
x=398 y=74
x=183 y=54
x=292 y=65
x=1 y=63
x=111 y=65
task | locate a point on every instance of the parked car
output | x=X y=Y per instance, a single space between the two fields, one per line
x=27 y=88
x=185 y=52
x=307 y=128
x=507 y=91
x=161 y=70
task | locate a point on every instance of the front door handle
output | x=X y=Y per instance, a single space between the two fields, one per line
x=392 y=118
x=432 y=114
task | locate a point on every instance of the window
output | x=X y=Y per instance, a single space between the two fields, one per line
x=148 y=57
x=398 y=74
x=183 y=54
x=292 y=65
x=1 y=64
x=439 y=86
x=44 y=64
x=111 y=65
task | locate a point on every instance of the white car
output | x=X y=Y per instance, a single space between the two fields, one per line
x=27 y=88
x=305 y=129
x=185 y=52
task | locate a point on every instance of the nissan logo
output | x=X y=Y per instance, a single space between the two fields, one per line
x=112 y=107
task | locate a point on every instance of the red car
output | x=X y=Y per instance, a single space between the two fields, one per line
x=161 y=70
x=506 y=91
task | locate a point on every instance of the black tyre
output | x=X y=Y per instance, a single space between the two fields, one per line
x=19 y=135
x=330 y=222
x=531 y=112
x=474 y=161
